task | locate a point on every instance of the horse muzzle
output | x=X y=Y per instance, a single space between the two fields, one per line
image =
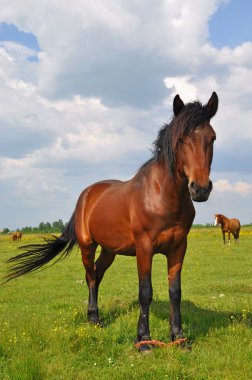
x=200 y=193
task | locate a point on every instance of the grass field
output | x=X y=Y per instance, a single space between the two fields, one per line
x=45 y=335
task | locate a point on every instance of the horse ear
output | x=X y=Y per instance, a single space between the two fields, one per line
x=178 y=104
x=212 y=105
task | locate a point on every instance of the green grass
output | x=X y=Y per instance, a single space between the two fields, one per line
x=45 y=335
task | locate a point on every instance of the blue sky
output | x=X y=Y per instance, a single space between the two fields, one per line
x=85 y=89
x=231 y=24
x=10 y=32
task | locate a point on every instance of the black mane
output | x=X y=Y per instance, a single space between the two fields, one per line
x=165 y=146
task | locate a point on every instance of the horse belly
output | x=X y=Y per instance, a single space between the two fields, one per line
x=116 y=241
x=170 y=239
x=110 y=227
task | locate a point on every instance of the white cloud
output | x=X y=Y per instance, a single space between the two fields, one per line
x=182 y=86
x=239 y=56
x=242 y=188
x=15 y=51
x=104 y=84
x=116 y=50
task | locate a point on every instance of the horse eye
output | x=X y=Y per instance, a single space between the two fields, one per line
x=181 y=141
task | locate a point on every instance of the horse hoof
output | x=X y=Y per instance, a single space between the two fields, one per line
x=187 y=345
x=100 y=324
x=145 y=348
x=96 y=323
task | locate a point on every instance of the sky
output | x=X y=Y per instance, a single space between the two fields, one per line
x=85 y=86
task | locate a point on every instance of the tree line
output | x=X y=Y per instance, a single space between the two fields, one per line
x=43 y=227
x=58 y=227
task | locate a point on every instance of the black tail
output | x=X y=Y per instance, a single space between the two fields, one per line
x=37 y=255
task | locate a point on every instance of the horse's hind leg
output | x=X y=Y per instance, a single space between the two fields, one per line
x=229 y=239
x=88 y=256
x=236 y=236
x=101 y=265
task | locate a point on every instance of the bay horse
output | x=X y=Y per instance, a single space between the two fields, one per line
x=231 y=226
x=148 y=214
x=16 y=236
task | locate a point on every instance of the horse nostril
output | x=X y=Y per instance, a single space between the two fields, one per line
x=193 y=186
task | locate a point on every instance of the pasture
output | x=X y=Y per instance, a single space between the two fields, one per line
x=45 y=333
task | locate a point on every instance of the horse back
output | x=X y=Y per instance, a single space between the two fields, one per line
x=234 y=225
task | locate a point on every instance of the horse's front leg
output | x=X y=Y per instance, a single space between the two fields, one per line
x=224 y=240
x=175 y=262
x=144 y=264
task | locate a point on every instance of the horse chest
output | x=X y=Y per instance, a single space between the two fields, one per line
x=170 y=238
x=225 y=228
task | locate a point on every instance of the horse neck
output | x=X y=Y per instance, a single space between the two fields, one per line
x=224 y=220
x=176 y=182
x=157 y=174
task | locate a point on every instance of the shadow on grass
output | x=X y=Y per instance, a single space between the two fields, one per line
x=196 y=321
x=110 y=316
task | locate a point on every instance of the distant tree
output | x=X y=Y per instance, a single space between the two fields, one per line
x=5 y=231
x=27 y=230
x=209 y=224
x=43 y=227
x=58 y=226
x=48 y=227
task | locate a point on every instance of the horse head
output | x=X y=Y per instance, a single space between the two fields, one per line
x=218 y=219
x=195 y=144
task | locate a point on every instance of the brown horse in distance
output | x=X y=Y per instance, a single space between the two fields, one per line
x=148 y=214
x=231 y=226
x=17 y=236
